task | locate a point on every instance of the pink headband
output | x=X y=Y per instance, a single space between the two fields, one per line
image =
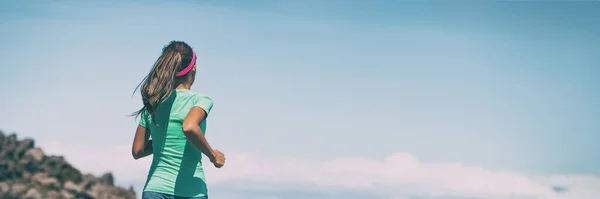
x=189 y=67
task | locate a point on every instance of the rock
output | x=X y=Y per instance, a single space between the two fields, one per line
x=72 y=187
x=53 y=195
x=7 y=195
x=89 y=177
x=4 y=187
x=26 y=172
x=102 y=191
x=132 y=190
x=35 y=154
x=33 y=194
x=2 y=137
x=18 y=188
x=45 y=181
x=57 y=167
x=123 y=193
x=22 y=147
x=66 y=194
x=11 y=140
x=84 y=196
x=38 y=176
x=9 y=169
x=88 y=183
x=32 y=159
x=107 y=179
x=51 y=183
x=97 y=190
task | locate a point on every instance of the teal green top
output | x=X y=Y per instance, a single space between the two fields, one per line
x=176 y=164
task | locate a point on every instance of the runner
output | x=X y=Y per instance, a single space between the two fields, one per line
x=175 y=118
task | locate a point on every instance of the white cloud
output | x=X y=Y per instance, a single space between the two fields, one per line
x=399 y=175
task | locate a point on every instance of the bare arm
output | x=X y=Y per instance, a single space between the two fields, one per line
x=191 y=129
x=142 y=146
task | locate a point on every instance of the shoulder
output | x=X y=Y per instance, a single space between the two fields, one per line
x=145 y=118
x=202 y=100
x=192 y=95
x=200 y=96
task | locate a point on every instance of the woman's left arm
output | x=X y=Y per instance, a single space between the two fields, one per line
x=142 y=145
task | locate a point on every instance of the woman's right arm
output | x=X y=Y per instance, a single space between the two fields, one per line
x=142 y=145
x=193 y=132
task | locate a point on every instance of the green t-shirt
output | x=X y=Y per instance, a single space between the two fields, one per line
x=176 y=164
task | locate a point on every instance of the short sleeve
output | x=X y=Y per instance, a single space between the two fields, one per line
x=144 y=119
x=204 y=102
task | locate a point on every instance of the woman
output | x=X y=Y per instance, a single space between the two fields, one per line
x=175 y=118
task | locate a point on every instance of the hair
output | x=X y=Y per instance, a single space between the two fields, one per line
x=160 y=82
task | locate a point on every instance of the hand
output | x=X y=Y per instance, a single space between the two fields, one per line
x=219 y=159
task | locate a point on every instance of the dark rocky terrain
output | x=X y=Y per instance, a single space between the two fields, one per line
x=26 y=172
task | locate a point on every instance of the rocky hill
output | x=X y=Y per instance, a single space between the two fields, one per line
x=26 y=172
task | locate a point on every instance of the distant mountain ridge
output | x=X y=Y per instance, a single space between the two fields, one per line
x=27 y=173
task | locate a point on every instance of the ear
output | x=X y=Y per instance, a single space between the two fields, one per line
x=194 y=68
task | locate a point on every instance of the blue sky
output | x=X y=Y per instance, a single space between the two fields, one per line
x=498 y=85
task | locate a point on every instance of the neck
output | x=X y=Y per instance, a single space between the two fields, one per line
x=184 y=87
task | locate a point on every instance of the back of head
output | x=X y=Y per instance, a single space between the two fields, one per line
x=169 y=70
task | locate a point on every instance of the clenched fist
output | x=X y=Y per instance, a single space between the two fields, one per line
x=219 y=160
